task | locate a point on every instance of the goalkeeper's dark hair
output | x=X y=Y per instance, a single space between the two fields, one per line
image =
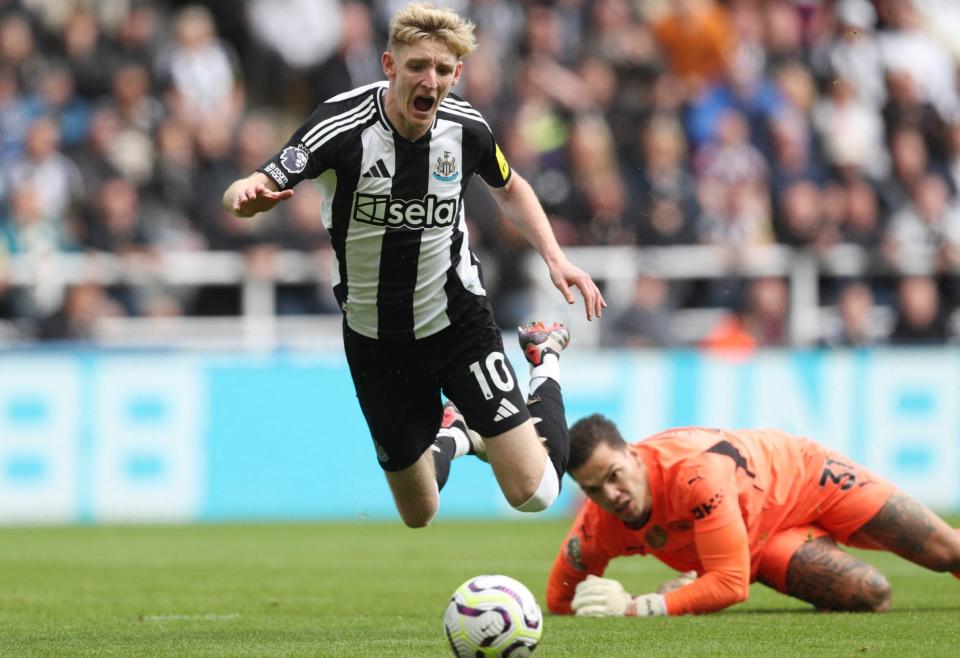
x=588 y=433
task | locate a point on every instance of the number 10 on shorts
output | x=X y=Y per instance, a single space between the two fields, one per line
x=500 y=376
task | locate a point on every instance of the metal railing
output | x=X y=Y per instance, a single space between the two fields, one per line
x=616 y=268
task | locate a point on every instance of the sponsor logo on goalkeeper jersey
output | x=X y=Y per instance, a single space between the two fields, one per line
x=656 y=537
x=704 y=510
x=384 y=210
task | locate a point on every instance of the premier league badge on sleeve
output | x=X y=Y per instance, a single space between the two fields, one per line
x=294 y=159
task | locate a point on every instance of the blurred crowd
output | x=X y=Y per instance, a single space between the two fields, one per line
x=739 y=123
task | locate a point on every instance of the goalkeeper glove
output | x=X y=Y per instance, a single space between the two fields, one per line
x=605 y=597
x=682 y=580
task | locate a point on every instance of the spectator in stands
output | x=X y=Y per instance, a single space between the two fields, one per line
x=802 y=219
x=86 y=54
x=646 y=321
x=202 y=71
x=921 y=320
x=139 y=113
x=854 y=52
x=18 y=50
x=117 y=224
x=216 y=167
x=357 y=58
x=862 y=224
x=745 y=88
x=784 y=32
x=598 y=182
x=759 y=320
x=851 y=131
x=698 y=42
x=54 y=178
x=170 y=193
x=84 y=304
x=295 y=37
x=732 y=189
x=907 y=44
x=905 y=107
x=102 y=155
x=137 y=37
x=857 y=325
x=665 y=222
x=28 y=226
x=15 y=117
x=666 y=191
x=57 y=99
x=910 y=162
x=931 y=219
x=794 y=151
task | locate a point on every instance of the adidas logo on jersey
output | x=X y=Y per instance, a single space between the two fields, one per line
x=378 y=170
x=384 y=210
x=505 y=410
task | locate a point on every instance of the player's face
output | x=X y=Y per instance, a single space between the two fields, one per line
x=615 y=480
x=420 y=77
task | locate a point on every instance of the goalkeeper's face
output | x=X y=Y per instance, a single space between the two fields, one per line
x=616 y=480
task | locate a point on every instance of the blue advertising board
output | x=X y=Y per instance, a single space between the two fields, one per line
x=101 y=437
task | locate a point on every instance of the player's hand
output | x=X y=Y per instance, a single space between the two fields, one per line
x=605 y=597
x=256 y=198
x=566 y=274
x=682 y=580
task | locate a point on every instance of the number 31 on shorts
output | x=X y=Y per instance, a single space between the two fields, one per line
x=497 y=372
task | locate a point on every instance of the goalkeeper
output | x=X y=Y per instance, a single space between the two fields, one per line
x=727 y=508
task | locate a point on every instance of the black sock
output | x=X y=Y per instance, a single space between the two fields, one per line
x=547 y=405
x=444 y=448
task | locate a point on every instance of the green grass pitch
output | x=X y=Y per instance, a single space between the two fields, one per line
x=378 y=589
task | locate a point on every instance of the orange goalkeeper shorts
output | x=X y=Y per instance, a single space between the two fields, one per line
x=846 y=497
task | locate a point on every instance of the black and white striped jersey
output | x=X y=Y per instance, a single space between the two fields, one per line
x=394 y=208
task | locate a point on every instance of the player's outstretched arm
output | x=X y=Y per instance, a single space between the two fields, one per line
x=519 y=203
x=254 y=194
x=724 y=553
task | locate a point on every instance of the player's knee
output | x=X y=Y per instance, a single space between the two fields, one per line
x=418 y=519
x=417 y=514
x=876 y=596
x=542 y=496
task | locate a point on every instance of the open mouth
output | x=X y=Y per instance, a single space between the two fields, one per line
x=423 y=103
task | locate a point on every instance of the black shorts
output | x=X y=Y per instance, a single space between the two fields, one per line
x=398 y=385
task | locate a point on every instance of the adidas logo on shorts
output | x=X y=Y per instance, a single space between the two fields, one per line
x=505 y=410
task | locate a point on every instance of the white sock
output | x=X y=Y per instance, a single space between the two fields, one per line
x=548 y=369
x=459 y=438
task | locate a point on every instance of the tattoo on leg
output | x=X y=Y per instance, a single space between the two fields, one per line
x=822 y=574
x=902 y=525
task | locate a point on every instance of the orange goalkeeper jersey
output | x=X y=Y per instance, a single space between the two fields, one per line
x=718 y=495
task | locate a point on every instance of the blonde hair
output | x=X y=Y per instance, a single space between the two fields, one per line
x=424 y=21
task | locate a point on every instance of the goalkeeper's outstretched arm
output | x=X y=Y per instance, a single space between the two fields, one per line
x=725 y=580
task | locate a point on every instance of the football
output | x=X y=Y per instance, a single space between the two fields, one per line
x=493 y=616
